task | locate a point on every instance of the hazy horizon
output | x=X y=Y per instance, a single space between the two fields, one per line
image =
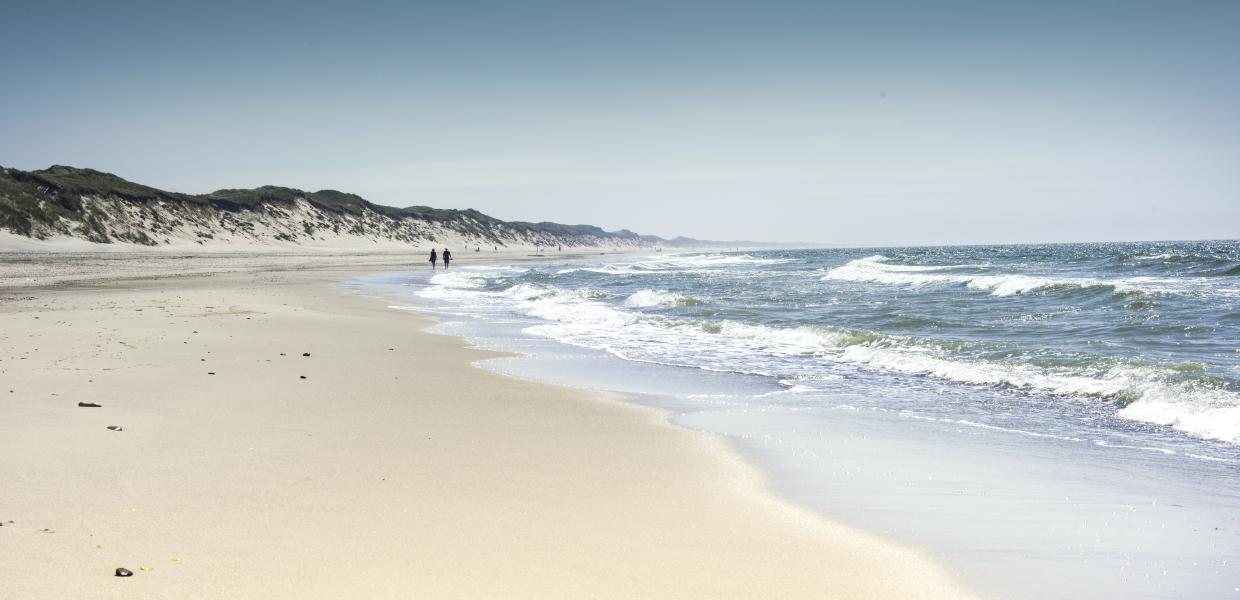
x=791 y=122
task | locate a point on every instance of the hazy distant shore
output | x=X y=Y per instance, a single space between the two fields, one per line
x=282 y=436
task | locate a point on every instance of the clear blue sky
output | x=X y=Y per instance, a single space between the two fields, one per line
x=900 y=123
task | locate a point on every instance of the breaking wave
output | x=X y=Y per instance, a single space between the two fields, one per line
x=583 y=317
x=1098 y=330
x=878 y=269
x=652 y=298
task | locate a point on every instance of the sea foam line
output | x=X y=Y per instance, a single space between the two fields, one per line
x=878 y=269
x=579 y=317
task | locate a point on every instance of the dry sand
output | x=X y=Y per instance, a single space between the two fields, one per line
x=395 y=469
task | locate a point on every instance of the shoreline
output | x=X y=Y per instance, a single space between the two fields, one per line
x=464 y=483
x=1013 y=513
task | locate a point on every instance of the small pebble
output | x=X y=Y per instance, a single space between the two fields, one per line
x=116 y=428
x=123 y=572
x=303 y=376
x=305 y=354
x=89 y=405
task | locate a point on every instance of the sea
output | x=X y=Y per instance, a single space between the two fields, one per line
x=1056 y=420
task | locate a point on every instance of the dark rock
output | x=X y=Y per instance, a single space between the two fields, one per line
x=89 y=405
x=210 y=372
x=123 y=572
x=116 y=428
x=305 y=354
x=303 y=376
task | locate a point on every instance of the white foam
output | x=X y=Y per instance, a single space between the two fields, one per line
x=652 y=298
x=1213 y=414
x=1149 y=395
x=720 y=260
x=877 y=269
x=459 y=279
x=697 y=263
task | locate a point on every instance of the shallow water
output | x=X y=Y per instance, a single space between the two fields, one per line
x=1048 y=420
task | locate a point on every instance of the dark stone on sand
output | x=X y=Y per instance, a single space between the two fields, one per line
x=116 y=428
x=89 y=405
x=303 y=376
x=123 y=572
x=305 y=354
x=210 y=372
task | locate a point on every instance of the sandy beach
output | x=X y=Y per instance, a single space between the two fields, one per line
x=283 y=437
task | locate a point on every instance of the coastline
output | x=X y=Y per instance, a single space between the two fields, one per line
x=396 y=468
x=1015 y=511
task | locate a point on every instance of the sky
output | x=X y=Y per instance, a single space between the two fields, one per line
x=869 y=123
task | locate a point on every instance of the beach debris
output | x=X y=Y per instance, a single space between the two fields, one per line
x=116 y=428
x=89 y=405
x=210 y=372
x=305 y=354
x=178 y=559
x=123 y=572
x=302 y=376
x=146 y=569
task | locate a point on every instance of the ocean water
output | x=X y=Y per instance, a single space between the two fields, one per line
x=1057 y=420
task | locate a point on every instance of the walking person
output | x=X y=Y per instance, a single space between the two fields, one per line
x=447 y=257
x=435 y=259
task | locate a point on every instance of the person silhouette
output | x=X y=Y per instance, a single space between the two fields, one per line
x=447 y=257
x=435 y=258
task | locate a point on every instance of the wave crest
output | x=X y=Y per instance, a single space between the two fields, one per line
x=877 y=269
x=654 y=298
